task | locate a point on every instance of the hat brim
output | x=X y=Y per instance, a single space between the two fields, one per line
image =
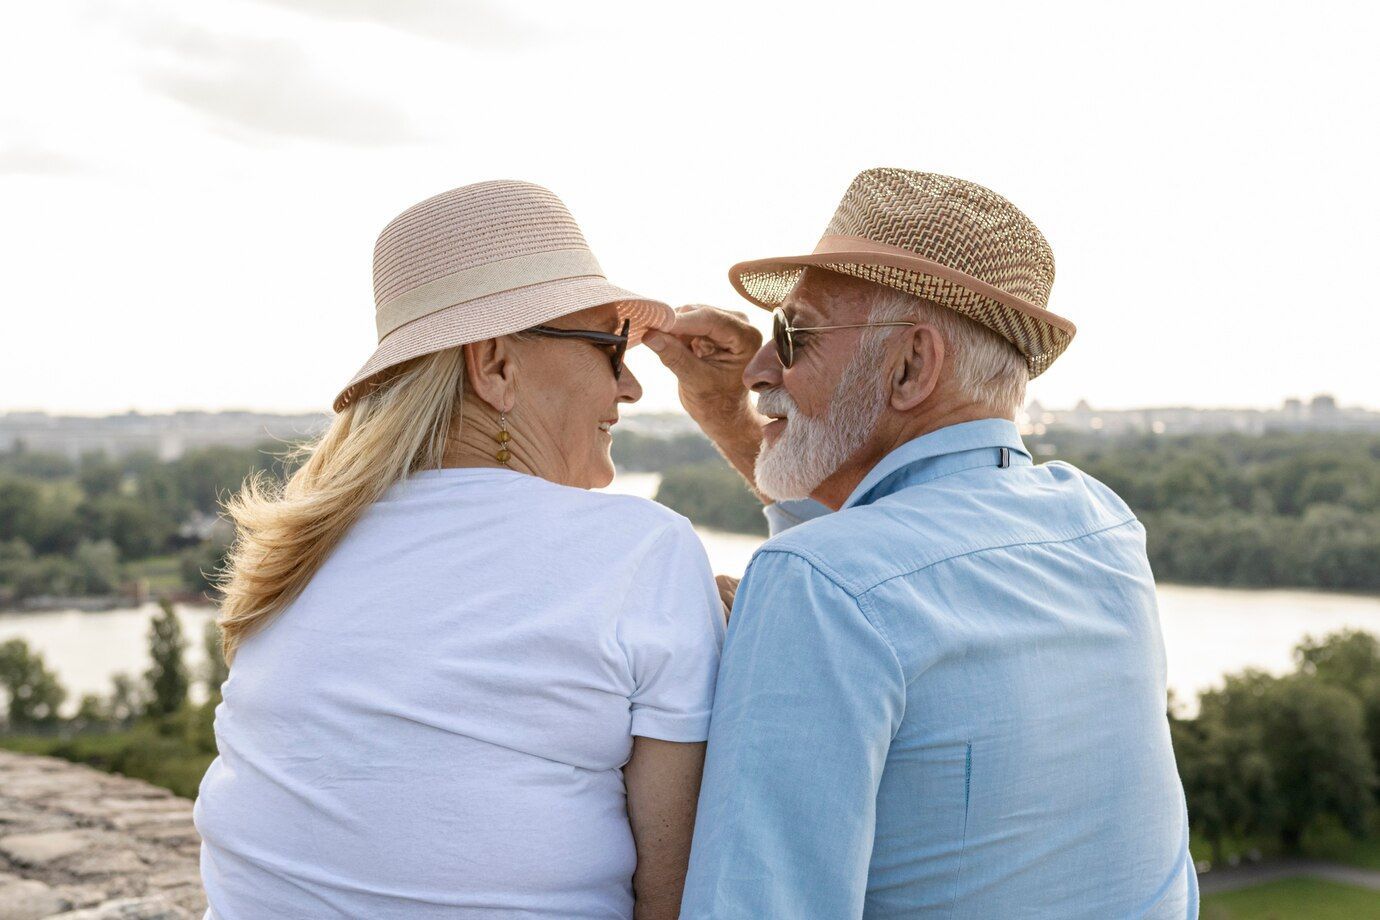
x=1041 y=336
x=501 y=314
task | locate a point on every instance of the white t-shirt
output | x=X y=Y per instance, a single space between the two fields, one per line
x=436 y=727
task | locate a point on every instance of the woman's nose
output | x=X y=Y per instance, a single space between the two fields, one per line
x=764 y=370
x=629 y=389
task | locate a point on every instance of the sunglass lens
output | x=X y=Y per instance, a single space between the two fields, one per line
x=781 y=334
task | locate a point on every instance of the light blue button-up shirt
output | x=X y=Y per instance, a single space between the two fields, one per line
x=947 y=699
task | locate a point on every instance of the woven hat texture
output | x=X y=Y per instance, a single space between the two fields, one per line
x=478 y=262
x=946 y=240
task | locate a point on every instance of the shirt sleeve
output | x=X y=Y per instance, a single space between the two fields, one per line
x=809 y=697
x=671 y=629
x=785 y=515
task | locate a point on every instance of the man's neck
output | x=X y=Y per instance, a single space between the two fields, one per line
x=834 y=491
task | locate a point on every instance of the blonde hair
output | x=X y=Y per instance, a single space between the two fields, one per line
x=284 y=531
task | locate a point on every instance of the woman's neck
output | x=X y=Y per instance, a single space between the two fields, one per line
x=475 y=445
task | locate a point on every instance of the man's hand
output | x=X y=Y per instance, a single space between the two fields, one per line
x=708 y=349
x=728 y=590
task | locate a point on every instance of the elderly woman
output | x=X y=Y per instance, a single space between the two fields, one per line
x=462 y=683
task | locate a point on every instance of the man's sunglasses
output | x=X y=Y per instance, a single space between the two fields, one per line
x=783 y=333
x=618 y=341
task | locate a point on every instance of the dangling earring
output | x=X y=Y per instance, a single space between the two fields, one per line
x=503 y=455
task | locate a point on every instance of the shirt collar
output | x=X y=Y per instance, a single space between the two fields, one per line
x=928 y=449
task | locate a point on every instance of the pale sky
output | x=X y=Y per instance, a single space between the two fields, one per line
x=190 y=192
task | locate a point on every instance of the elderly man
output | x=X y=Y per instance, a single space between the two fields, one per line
x=946 y=698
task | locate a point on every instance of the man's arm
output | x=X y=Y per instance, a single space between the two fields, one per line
x=708 y=349
x=809 y=697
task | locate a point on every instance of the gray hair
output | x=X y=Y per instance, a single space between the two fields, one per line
x=986 y=367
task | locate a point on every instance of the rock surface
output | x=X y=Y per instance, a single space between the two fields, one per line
x=79 y=844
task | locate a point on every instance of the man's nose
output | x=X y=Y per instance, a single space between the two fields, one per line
x=764 y=370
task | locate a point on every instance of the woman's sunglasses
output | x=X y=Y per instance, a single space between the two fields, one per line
x=783 y=333
x=618 y=341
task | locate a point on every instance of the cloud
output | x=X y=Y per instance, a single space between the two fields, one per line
x=265 y=86
x=30 y=160
x=477 y=23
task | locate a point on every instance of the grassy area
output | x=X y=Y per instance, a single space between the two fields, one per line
x=173 y=752
x=1334 y=845
x=164 y=573
x=1294 y=899
x=1326 y=840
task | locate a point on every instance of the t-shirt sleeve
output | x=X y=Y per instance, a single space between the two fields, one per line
x=671 y=629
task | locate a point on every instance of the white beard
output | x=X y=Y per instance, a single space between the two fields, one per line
x=811 y=450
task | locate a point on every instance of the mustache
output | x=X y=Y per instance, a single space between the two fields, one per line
x=776 y=401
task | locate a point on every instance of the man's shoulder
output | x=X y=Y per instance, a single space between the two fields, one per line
x=921 y=526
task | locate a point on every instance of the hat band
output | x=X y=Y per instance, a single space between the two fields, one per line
x=861 y=249
x=483 y=280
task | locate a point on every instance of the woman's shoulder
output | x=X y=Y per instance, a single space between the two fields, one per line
x=620 y=523
x=640 y=514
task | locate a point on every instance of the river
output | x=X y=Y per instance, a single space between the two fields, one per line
x=1208 y=632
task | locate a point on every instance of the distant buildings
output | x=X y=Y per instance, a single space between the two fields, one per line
x=167 y=436
x=1320 y=414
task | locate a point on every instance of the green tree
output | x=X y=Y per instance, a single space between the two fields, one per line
x=19 y=508
x=127 y=700
x=38 y=464
x=33 y=692
x=201 y=565
x=1302 y=748
x=91 y=713
x=712 y=495
x=1321 y=758
x=1227 y=779
x=132 y=524
x=167 y=678
x=99 y=475
x=97 y=567
x=1349 y=659
x=16 y=561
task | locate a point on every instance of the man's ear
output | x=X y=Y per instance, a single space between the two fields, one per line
x=490 y=371
x=916 y=373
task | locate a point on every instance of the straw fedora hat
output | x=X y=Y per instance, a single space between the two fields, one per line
x=948 y=241
x=478 y=262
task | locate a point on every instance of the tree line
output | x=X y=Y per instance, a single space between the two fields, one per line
x=1282 y=509
x=87 y=527
x=1276 y=510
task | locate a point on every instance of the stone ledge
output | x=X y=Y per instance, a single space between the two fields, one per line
x=79 y=844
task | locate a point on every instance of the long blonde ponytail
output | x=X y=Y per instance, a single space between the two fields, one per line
x=285 y=531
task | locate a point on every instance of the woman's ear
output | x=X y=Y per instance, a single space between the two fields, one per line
x=916 y=374
x=490 y=369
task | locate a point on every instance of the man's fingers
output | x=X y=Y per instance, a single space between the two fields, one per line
x=728 y=329
x=692 y=307
x=728 y=589
x=671 y=350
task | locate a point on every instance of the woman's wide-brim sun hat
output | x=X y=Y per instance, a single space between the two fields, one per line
x=478 y=262
x=948 y=241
